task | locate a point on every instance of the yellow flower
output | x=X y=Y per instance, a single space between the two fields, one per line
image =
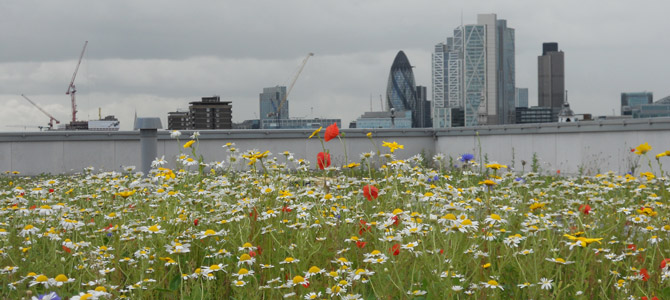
x=392 y=146
x=495 y=166
x=642 y=149
x=489 y=182
x=666 y=153
x=583 y=241
x=315 y=132
x=369 y=134
x=188 y=144
x=126 y=194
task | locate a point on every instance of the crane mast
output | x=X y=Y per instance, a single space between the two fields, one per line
x=295 y=78
x=51 y=118
x=71 y=90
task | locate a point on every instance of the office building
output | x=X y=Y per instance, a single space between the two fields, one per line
x=401 y=90
x=551 y=77
x=385 y=119
x=209 y=113
x=178 y=120
x=521 y=97
x=421 y=118
x=660 y=108
x=299 y=123
x=632 y=100
x=475 y=70
x=536 y=114
x=271 y=106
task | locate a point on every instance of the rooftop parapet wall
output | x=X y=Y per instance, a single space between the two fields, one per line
x=589 y=147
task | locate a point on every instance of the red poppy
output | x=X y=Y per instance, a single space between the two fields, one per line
x=252 y=253
x=664 y=263
x=323 y=160
x=395 y=219
x=370 y=192
x=645 y=274
x=395 y=249
x=259 y=249
x=68 y=250
x=360 y=244
x=363 y=227
x=286 y=209
x=331 y=132
x=195 y=222
x=632 y=247
x=585 y=208
x=441 y=251
x=51 y=190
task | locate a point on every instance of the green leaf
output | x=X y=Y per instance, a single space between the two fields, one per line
x=196 y=293
x=175 y=283
x=665 y=293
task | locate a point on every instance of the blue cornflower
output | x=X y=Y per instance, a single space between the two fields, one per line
x=49 y=296
x=466 y=157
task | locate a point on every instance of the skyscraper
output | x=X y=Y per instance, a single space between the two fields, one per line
x=521 y=97
x=401 y=89
x=551 y=77
x=475 y=71
x=270 y=102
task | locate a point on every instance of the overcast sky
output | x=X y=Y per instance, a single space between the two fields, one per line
x=152 y=57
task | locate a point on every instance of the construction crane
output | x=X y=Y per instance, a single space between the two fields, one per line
x=71 y=90
x=277 y=112
x=51 y=118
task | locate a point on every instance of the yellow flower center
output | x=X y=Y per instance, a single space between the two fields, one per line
x=493 y=283
x=61 y=278
x=314 y=269
x=154 y=228
x=298 y=279
x=41 y=278
x=289 y=259
x=245 y=257
x=101 y=289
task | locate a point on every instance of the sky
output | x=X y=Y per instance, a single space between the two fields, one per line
x=154 y=56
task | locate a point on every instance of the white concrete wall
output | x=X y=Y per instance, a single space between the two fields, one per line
x=593 y=147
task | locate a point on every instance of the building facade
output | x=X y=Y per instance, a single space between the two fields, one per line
x=536 y=114
x=385 y=119
x=299 y=123
x=401 y=88
x=209 y=113
x=629 y=101
x=422 y=115
x=475 y=70
x=521 y=97
x=178 y=120
x=550 y=76
x=271 y=106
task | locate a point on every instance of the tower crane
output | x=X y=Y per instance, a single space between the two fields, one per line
x=51 y=118
x=277 y=112
x=71 y=90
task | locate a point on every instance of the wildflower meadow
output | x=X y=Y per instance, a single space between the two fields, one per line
x=261 y=225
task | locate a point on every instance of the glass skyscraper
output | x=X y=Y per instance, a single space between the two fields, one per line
x=401 y=92
x=401 y=89
x=474 y=71
x=270 y=102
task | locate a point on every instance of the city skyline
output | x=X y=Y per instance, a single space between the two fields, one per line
x=152 y=61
